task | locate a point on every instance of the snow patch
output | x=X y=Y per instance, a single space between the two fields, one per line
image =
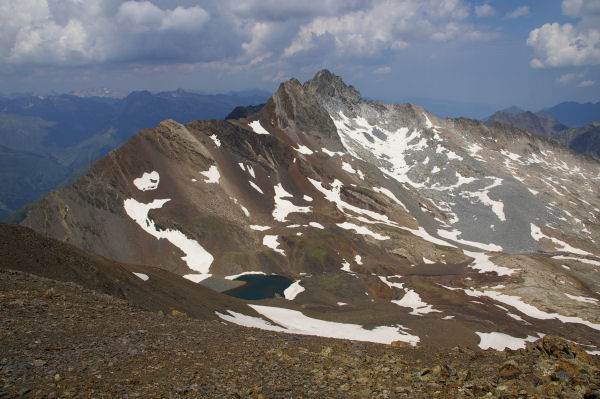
x=529 y=310
x=316 y=225
x=148 y=181
x=293 y=290
x=332 y=153
x=294 y=322
x=142 y=276
x=271 y=242
x=216 y=140
x=284 y=207
x=390 y=195
x=259 y=228
x=255 y=186
x=583 y=299
x=348 y=168
x=302 y=149
x=500 y=341
x=412 y=300
x=362 y=230
x=257 y=127
x=583 y=260
x=536 y=234
x=483 y=263
x=196 y=257
x=212 y=175
x=453 y=235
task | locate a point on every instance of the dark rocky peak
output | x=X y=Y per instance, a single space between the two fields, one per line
x=326 y=84
x=298 y=113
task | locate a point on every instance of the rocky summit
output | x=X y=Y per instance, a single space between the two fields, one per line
x=390 y=224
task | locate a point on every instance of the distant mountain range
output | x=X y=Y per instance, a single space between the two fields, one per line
x=574 y=114
x=584 y=138
x=44 y=139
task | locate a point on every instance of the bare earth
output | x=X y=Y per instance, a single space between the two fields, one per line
x=61 y=340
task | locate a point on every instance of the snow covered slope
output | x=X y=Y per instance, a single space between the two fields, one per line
x=447 y=228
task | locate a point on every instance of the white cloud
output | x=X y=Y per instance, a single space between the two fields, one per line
x=386 y=25
x=568 y=77
x=580 y=8
x=484 y=10
x=586 y=83
x=519 y=12
x=143 y=16
x=383 y=69
x=74 y=32
x=557 y=45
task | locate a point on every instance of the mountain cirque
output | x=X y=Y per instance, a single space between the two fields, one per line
x=400 y=225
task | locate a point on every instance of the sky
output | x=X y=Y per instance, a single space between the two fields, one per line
x=528 y=53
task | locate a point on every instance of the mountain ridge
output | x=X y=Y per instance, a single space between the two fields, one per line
x=399 y=215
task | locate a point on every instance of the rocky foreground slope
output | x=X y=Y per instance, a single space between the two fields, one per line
x=61 y=340
x=393 y=224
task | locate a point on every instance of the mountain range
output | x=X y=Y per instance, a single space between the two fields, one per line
x=582 y=139
x=389 y=223
x=45 y=139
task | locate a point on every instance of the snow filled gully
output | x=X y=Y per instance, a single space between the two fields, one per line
x=196 y=257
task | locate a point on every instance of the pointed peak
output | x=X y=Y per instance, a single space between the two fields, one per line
x=327 y=84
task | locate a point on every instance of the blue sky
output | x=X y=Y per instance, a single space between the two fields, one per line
x=529 y=53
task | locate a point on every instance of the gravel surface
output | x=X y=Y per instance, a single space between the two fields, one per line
x=61 y=340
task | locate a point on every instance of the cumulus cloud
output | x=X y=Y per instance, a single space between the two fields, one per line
x=518 y=12
x=568 y=77
x=76 y=32
x=240 y=34
x=144 y=16
x=386 y=25
x=484 y=10
x=557 y=45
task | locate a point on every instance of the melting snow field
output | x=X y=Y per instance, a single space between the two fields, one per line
x=212 y=175
x=583 y=299
x=528 y=309
x=293 y=290
x=537 y=235
x=257 y=127
x=196 y=257
x=483 y=263
x=588 y=261
x=294 y=322
x=148 y=181
x=412 y=300
x=453 y=235
x=361 y=230
x=255 y=186
x=500 y=341
x=284 y=207
x=142 y=276
x=302 y=149
x=271 y=242
x=216 y=140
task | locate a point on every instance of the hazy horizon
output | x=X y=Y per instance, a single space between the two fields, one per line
x=526 y=53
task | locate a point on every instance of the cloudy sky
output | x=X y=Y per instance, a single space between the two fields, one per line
x=530 y=53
